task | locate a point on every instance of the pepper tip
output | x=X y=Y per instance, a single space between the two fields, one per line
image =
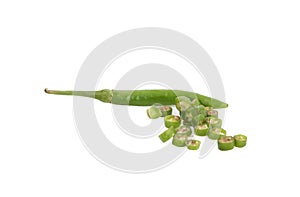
x=46 y=90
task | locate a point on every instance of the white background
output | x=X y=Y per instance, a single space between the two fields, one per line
x=255 y=45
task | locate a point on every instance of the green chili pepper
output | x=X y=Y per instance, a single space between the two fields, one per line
x=193 y=144
x=214 y=122
x=195 y=103
x=207 y=108
x=203 y=113
x=212 y=113
x=166 y=135
x=182 y=103
x=226 y=143
x=223 y=131
x=201 y=108
x=142 y=97
x=165 y=110
x=197 y=120
x=153 y=112
x=240 y=140
x=183 y=130
x=179 y=140
x=187 y=123
x=214 y=133
x=201 y=130
x=172 y=120
x=186 y=115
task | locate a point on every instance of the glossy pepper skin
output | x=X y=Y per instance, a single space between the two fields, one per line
x=142 y=97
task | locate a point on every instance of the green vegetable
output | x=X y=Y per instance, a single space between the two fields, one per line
x=182 y=103
x=226 y=143
x=172 y=120
x=193 y=144
x=214 y=133
x=166 y=135
x=207 y=108
x=197 y=120
x=165 y=110
x=201 y=130
x=212 y=113
x=201 y=108
x=240 y=140
x=223 y=132
x=179 y=140
x=187 y=123
x=195 y=103
x=214 y=122
x=153 y=112
x=142 y=97
x=184 y=130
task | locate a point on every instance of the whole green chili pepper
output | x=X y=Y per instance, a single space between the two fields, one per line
x=142 y=97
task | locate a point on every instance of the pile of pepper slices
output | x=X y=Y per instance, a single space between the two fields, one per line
x=194 y=119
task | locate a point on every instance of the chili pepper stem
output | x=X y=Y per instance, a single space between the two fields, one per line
x=102 y=95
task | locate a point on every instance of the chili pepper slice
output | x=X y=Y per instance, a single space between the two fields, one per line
x=153 y=112
x=165 y=110
x=193 y=144
x=214 y=122
x=184 y=130
x=167 y=134
x=182 y=103
x=201 y=130
x=240 y=140
x=212 y=113
x=214 y=133
x=226 y=143
x=172 y=120
x=179 y=140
